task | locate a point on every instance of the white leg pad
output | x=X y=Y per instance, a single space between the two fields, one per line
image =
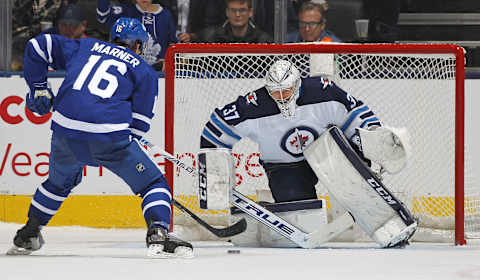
x=216 y=178
x=393 y=232
x=373 y=207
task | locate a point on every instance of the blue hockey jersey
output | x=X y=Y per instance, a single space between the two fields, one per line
x=321 y=104
x=160 y=26
x=108 y=91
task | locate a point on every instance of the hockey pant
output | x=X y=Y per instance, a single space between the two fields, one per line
x=125 y=158
x=291 y=181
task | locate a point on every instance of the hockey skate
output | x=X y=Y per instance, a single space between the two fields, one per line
x=164 y=245
x=27 y=239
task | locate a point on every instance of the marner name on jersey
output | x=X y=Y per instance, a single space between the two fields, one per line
x=116 y=52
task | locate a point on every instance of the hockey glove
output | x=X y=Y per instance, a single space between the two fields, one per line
x=40 y=100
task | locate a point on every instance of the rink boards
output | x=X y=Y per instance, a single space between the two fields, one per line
x=103 y=200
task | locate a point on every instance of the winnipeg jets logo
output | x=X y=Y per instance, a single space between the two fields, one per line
x=297 y=139
x=252 y=98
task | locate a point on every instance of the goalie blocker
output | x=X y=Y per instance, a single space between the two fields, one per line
x=382 y=216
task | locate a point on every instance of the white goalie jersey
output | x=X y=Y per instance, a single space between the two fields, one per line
x=320 y=105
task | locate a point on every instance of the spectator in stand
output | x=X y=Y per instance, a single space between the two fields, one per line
x=203 y=14
x=238 y=28
x=312 y=25
x=180 y=10
x=70 y=22
x=157 y=20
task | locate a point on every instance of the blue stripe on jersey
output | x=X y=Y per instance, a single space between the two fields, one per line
x=210 y=137
x=223 y=127
x=140 y=125
x=368 y=121
x=352 y=116
x=43 y=47
x=102 y=137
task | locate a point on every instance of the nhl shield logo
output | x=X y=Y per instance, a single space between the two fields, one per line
x=297 y=139
x=140 y=167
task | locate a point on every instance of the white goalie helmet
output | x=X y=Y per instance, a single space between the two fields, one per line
x=281 y=78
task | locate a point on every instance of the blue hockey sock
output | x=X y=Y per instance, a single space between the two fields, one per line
x=156 y=205
x=46 y=201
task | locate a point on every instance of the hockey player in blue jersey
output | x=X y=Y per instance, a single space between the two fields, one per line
x=103 y=106
x=158 y=21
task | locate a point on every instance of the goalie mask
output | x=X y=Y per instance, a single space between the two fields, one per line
x=283 y=83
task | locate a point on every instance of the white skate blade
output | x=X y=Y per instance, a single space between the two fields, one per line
x=181 y=252
x=18 y=251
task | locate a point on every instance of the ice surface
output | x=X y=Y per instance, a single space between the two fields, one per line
x=87 y=254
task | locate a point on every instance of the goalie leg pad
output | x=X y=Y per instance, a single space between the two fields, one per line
x=216 y=178
x=383 y=217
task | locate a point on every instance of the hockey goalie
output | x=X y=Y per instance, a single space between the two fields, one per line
x=309 y=130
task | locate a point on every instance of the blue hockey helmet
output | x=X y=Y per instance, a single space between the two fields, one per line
x=129 y=31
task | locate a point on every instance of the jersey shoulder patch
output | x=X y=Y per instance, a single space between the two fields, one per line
x=319 y=90
x=253 y=105
x=258 y=103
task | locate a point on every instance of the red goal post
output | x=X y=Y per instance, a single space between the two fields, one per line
x=214 y=65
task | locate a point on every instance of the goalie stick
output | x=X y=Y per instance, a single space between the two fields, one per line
x=269 y=219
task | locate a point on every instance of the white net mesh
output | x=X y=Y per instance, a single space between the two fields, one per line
x=416 y=91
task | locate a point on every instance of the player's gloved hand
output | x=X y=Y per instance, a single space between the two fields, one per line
x=40 y=100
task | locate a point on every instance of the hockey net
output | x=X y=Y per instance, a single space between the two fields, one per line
x=420 y=87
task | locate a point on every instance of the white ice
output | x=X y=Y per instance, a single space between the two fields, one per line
x=87 y=254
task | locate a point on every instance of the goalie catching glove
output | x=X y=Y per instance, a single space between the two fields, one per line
x=216 y=177
x=386 y=146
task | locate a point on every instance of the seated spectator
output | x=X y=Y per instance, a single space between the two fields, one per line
x=201 y=15
x=311 y=25
x=157 y=20
x=70 y=22
x=180 y=10
x=238 y=28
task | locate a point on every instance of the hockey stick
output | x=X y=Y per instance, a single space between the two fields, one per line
x=232 y=230
x=269 y=219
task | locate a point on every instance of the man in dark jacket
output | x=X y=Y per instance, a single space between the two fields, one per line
x=238 y=28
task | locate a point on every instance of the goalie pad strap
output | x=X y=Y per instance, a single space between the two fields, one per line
x=376 y=184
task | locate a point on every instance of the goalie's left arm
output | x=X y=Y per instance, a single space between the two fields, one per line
x=383 y=145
